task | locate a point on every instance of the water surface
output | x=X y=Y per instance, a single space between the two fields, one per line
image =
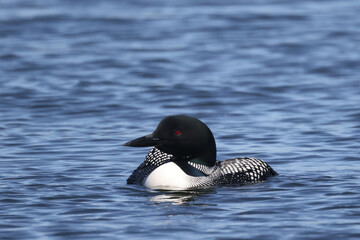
x=277 y=80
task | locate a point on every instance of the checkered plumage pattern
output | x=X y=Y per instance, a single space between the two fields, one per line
x=230 y=172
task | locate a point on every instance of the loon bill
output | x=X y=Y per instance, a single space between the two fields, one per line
x=184 y=157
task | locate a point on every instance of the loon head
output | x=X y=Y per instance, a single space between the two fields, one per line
x=186 y=138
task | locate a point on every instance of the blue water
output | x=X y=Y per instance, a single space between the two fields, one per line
x=278 y=80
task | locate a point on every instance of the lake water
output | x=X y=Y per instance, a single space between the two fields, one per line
x=278 y=80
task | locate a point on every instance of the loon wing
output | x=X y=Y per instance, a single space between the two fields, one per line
x=241 y=171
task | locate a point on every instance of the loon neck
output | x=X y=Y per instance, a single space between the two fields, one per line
x=194 y=166
x=207 y=157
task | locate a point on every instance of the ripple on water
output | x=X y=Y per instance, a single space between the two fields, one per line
x=274 y=80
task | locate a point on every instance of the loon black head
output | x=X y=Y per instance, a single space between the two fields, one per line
x=182 y=136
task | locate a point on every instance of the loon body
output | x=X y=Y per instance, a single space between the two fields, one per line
x=184 y=157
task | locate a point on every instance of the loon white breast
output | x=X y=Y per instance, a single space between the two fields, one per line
x=184 y=157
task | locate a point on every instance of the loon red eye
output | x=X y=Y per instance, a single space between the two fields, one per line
x=177 y=132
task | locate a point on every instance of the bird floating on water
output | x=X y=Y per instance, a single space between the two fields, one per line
x=184 y=157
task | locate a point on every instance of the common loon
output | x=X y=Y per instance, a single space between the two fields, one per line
x=184 y=157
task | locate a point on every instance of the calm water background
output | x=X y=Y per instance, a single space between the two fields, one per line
x=278 y=80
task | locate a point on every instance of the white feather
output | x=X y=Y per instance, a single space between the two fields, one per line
x=169 y=176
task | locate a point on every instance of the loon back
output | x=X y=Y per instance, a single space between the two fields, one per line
x=238 y=171
x=243 y=170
